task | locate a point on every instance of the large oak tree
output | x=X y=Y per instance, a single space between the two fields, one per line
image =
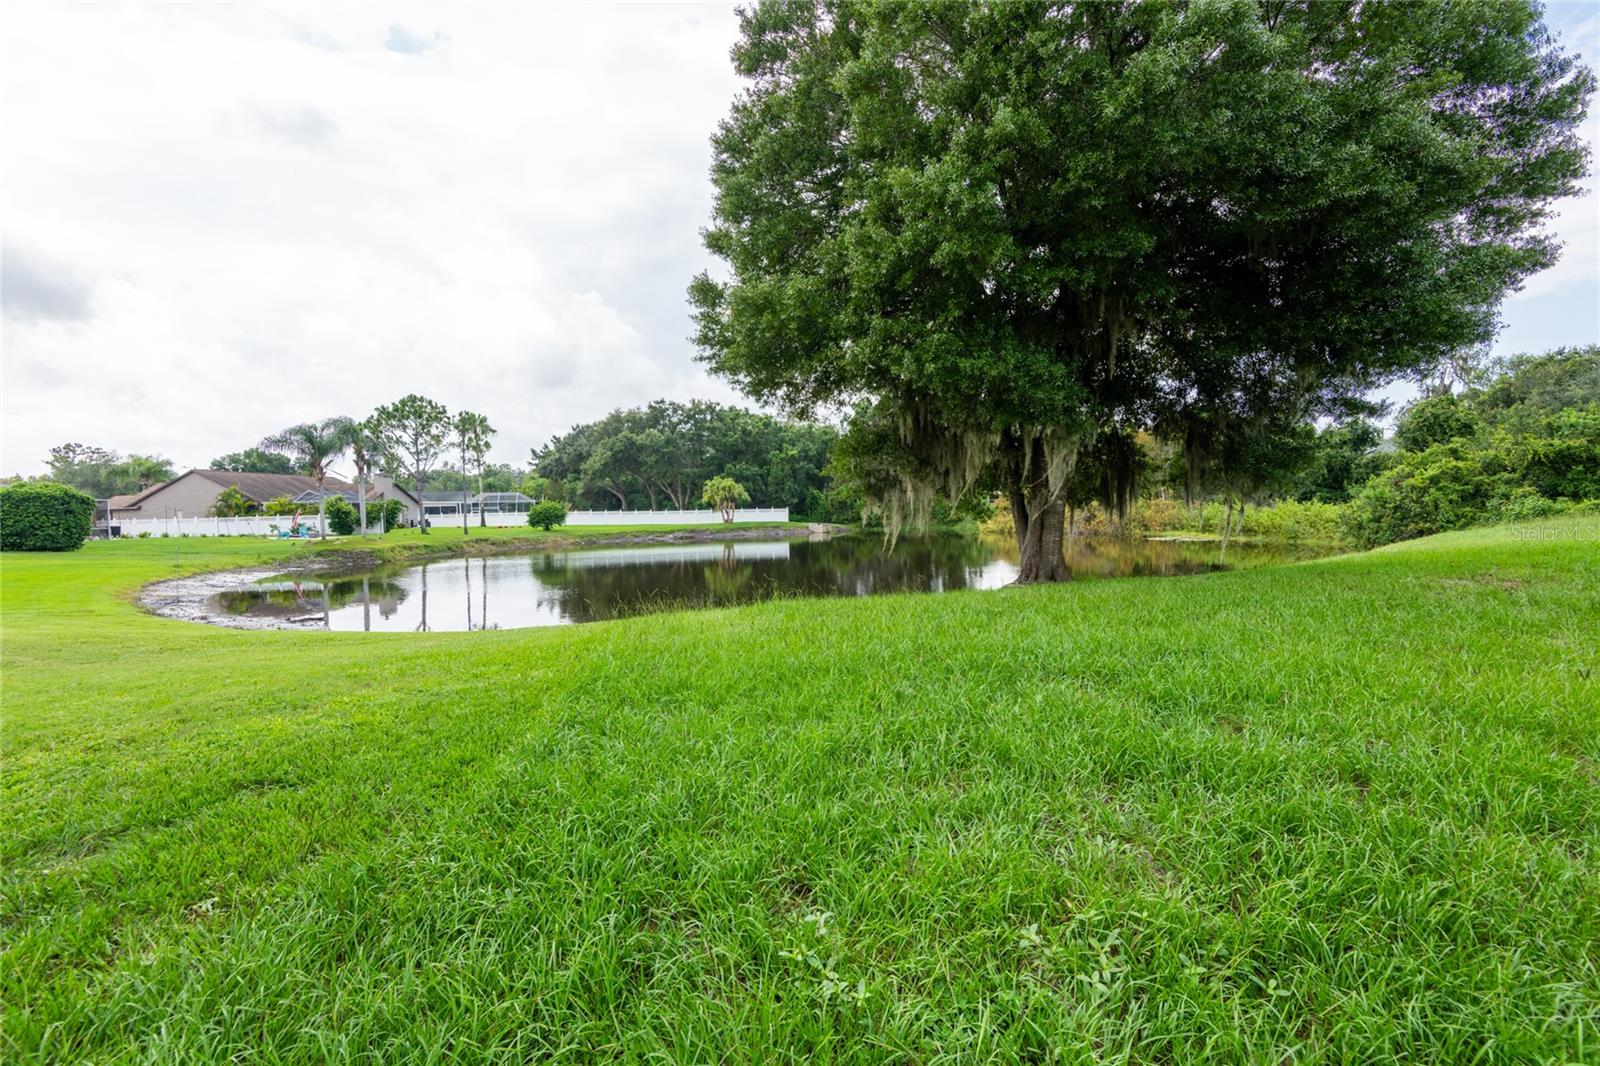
x=1006 y=232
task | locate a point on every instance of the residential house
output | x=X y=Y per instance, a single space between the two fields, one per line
x=440 y=504
x=195 y=494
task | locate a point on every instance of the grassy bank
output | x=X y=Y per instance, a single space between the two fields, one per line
x=1339 y=811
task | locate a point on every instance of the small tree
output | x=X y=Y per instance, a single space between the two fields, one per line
x=231 y=503
x=390 y=512
x=547 y=514
x=341 y=516
x=410 y=435
x=42 y=516
x=725 y=494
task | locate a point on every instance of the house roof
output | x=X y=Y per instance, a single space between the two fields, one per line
x=263 y=487
x=260 y=487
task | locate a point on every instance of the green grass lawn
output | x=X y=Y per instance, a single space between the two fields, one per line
x=1343 y=811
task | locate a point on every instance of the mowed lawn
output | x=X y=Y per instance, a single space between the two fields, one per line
x=1343 y=811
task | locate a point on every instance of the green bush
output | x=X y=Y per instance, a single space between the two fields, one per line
x=547 y=514
x=386 y=515
x=1291 y=522
x=42 y=516
x=342 y=516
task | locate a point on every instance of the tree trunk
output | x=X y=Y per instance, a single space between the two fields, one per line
x=1043 y=545
x=1040 y=519
x=361 y=499
x=422 y=626
x=622 y=501
x=483 y=519
x=422 y=508
x=322 y=511
x=1019 y=516
x=650 y=488
x=1227 y=528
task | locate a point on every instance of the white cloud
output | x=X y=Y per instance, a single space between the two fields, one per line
x=222 y=219
x=246 y=216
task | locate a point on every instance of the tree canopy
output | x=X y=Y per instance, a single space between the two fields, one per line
x=256 y=460
x=102 y=473
x=409 y=436
x=659 y=456
x=1008 y=230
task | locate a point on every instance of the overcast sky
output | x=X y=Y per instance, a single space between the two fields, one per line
x=220 y=220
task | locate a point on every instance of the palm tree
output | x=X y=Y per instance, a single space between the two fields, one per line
x=312 y=445
x=363 y=448
x=473 y=433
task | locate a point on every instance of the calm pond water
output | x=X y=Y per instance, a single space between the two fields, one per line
x=592 y=584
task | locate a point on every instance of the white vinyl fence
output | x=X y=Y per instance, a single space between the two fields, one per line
x=270 y=525
x=203 y=526
x=622 y=518
x=673 y=518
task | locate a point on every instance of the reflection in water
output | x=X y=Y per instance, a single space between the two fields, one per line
x=586 y=585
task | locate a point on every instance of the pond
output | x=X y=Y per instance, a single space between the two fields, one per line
x=593 y=584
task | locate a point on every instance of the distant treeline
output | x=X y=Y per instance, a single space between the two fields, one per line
x=659 y=456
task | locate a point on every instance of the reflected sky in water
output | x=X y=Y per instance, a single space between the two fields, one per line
x=594 y=584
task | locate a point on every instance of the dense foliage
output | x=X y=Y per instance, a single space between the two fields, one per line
x=1013 y=229
x=102 y=473
x=1343 y=457
x=659 y=457
x=43 y=516
x=1525 y=443
x=547 y=514
x=257 y=461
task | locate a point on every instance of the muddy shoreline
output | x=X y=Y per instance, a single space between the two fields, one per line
x=189 y=598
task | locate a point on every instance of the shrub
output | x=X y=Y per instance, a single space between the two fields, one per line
x=282 y=505
x=386 y=515
x=42 y=516
x=342 y=516
x=547 y=514
x=1156 y=515
x=1525 y=503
